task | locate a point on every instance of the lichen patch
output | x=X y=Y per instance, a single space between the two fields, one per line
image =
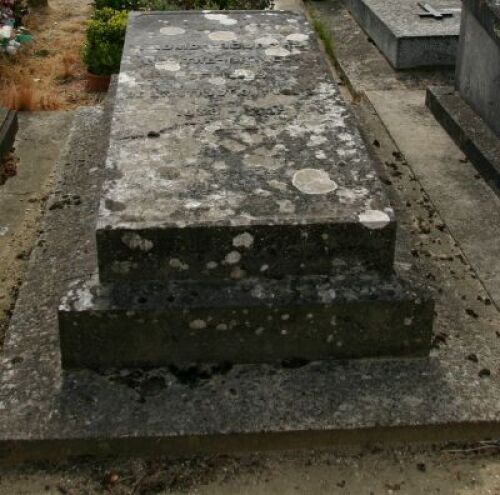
x=313 y=181
x=222 y=18
x=374 y=219
x=198 y=325
x=243 y=240
x=277 y=51
x=298 y=37
x=232 y=258
x=135 y=241
x=266 y=41
x=172 y=31
x=222 y=36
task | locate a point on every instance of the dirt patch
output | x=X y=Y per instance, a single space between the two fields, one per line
x=8 y=167
x=23 y=196
x=49 y=74
x=447 y=470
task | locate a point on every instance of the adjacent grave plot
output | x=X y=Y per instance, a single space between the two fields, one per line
x=410 y=33
x=8 y=130
x=242 y=220
x=470 y=112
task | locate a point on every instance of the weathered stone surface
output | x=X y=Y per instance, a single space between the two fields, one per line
x=404 y=37
x=8 y=129
x=468 y=130
x=357 y=314
x=48 y=413
x=478 y=61
x=487 y=12
x=471 y=114
x=233 y=154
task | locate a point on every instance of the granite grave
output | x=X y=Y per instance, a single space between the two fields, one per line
x=242 y=220
x=50 y=412
x=409 y=33
x=470 y=111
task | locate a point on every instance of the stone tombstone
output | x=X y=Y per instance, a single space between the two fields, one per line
x=478 y=64
x=470 y=111
x=242 y=219
x=230 y=123
x=410 y=33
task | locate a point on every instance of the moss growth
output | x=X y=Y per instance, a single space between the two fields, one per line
x=324 y=35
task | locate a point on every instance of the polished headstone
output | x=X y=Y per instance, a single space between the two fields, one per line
x=232 y=154
x=409 y=33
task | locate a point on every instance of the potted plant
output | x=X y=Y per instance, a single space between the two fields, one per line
x=102 y=50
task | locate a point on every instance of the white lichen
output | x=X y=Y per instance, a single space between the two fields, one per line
x=374 y=219
x=178 y=264
x=298 y=37
x=198 y=325
x=232 y=258
x=222 y=18
x=172 y=31
x=313 y=181
x=277 y=51
x=222 y=36
x=243 y=240
x=135 y=241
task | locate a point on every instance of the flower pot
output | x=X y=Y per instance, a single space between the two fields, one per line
x=96 y=83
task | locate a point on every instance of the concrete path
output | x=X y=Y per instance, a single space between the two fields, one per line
x=469 y=207
x=39 y=141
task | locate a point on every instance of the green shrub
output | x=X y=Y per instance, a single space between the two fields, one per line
x=182 y=4
x=159 y=5
x=116 y=4
x=102 y=50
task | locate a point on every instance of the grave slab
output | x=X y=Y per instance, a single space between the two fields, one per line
x=478 y=68
x=470 y=111
x=411 y=34
x=356 y=314
x=468 y=130
x=8 y=129
x=232 y=153
x=48 y=413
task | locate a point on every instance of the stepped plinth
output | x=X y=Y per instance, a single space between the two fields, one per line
x=242 y=219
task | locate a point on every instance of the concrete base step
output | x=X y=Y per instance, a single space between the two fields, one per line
x=468 y=130
x=354 y=315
